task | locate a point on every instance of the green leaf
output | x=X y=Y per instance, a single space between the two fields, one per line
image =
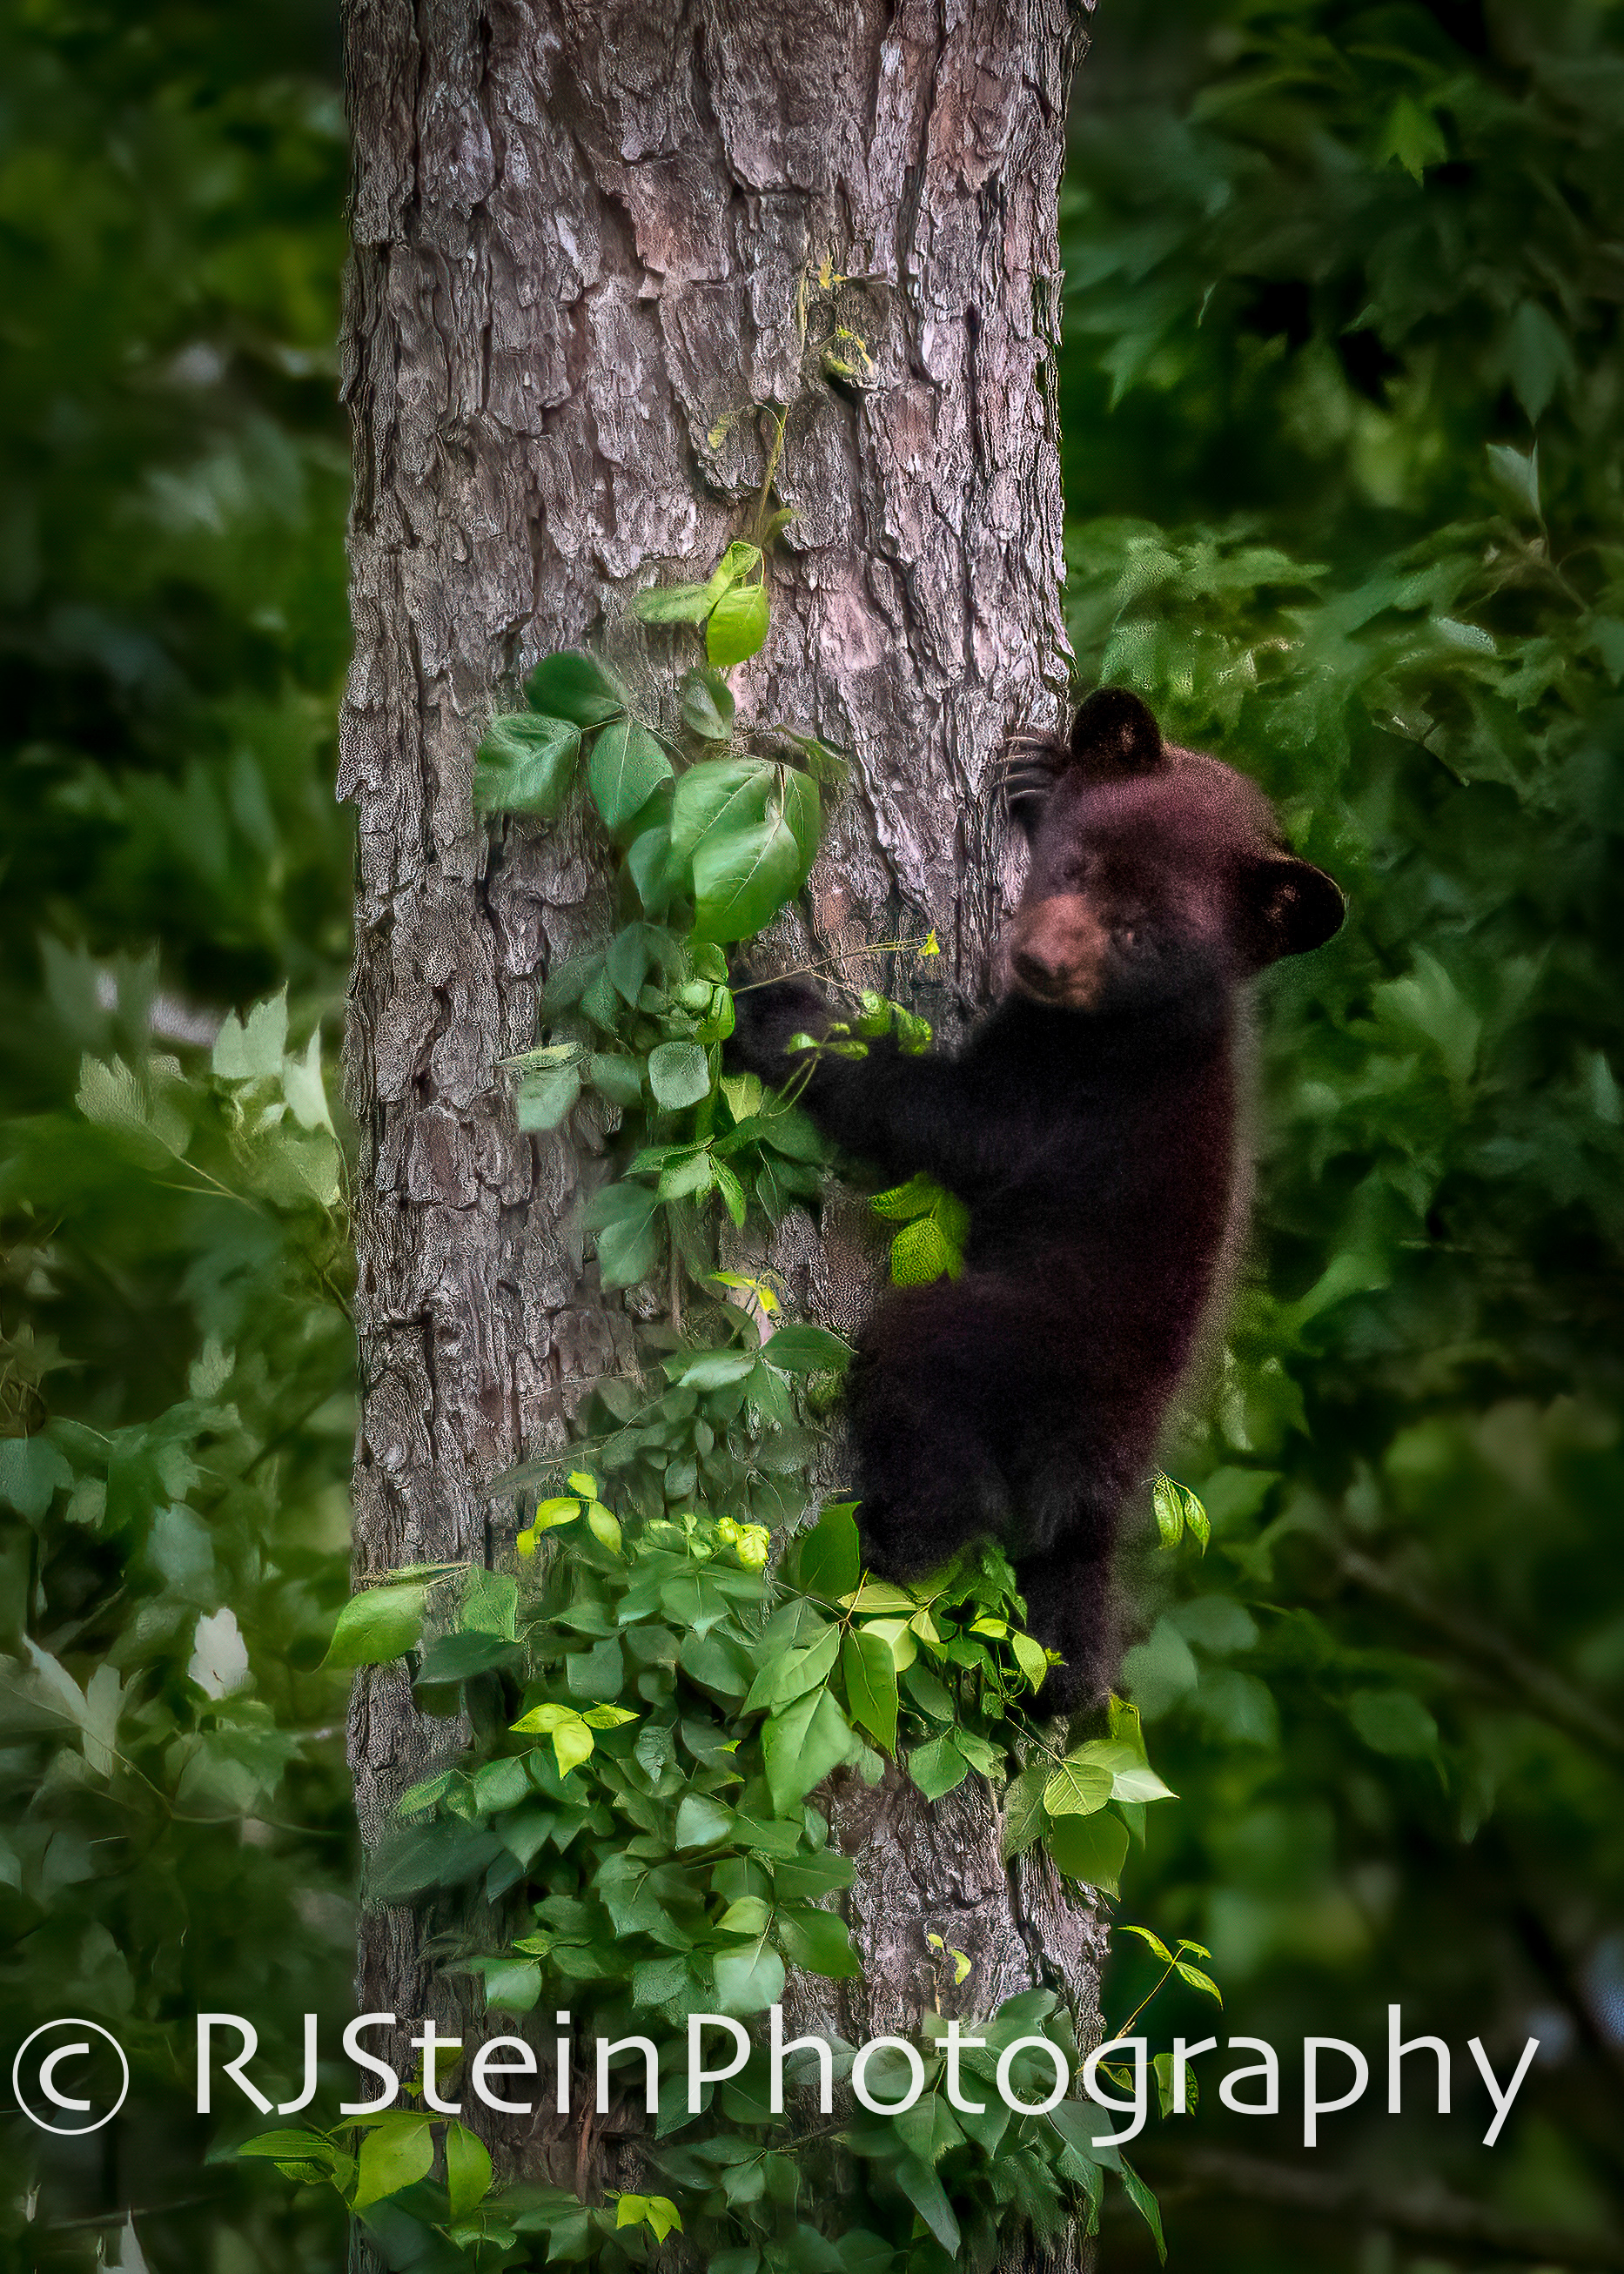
x=295 y=2144
x=738 y=625
x=718 y=795
x=1031 y=1657
x=702 y=1822
x=399 y=2150
x=574 y=686
x=791 y=1674
x=1197 y=1980
x=870 y=1672
x=618 y=1079
x=937 y=1767
x=742 y=879
x=377 y=1625
x=679 y=1074
x=525 y=764
x=1091 y=1847
x=544 y=1098
x=625 y=769
x=622 y=1214
x=749 y=1983
x=801 y=1746
x=803 y=1349
x=819 y=1942
x=1130 y=1774
x=512 y=1985
x=920 y=1253
x=1024 y=1813
x=1141 y=2196
x=1519 y=474
x=828 y=1557
x=648 y=865
x=708 y=706
x=1392 y=1721
x=1412 y=136
x=879 y=1598
x=468 y=2169
x=1167 y=1503
x=924 y=2190
x=673 y=604
x=32 y=1471
x=714 y=1369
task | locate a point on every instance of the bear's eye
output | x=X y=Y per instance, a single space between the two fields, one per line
x=1127 y=934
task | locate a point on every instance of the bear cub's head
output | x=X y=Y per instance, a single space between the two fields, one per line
x=1158 y=877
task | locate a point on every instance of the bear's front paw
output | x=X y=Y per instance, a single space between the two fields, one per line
x=767 y=1018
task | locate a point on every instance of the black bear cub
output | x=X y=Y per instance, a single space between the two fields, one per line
x=1090 y=1126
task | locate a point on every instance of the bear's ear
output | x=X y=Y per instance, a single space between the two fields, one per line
x=1292 y=906
x=1114 y=734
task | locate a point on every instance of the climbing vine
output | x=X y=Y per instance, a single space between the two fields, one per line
x=675 y=1659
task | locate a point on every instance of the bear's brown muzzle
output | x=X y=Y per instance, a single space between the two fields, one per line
x=1057 y=952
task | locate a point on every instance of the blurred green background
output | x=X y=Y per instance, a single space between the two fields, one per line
x=1340 y=396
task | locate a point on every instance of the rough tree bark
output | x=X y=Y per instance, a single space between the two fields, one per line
x=592 y=245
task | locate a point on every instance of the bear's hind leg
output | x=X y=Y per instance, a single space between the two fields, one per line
x=1070 y=1609
x=928 y=1471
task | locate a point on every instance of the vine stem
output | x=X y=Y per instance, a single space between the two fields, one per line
x=822 y=962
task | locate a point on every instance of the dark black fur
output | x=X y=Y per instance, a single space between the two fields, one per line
x=1090 y=1125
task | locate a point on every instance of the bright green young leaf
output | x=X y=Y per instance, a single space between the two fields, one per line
x=737 y=626
x=1031 y=1657
x=1167 y=1503
x=1412 y=135
x=1077 y=1788
x=399 y=2150
x=1197 y=1980
x=673 y=604
x=879 y=1598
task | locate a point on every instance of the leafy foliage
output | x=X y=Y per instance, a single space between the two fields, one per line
x=699 y=1700
x=659 y=1708
x=175 y=1417
x=1342 y=424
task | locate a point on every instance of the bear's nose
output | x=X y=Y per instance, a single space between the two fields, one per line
x=1040 y=972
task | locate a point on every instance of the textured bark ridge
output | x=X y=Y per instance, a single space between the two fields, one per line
x=599 y=250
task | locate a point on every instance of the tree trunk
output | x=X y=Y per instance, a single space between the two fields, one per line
x=597 y=251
